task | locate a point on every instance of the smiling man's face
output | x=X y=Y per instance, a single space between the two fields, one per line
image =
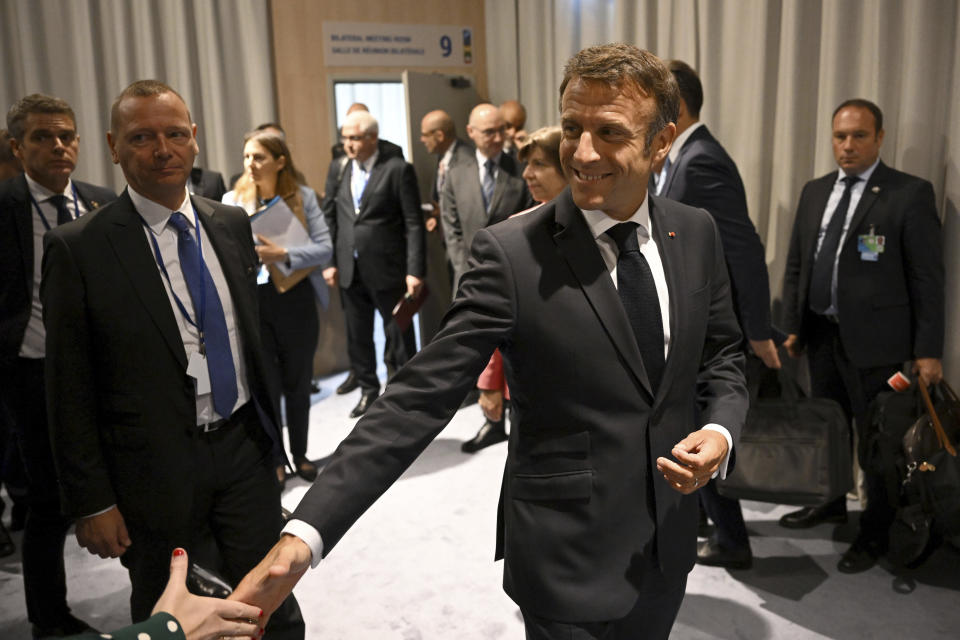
x=603 y=151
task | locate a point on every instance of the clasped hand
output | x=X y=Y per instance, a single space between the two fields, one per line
x=271 y=581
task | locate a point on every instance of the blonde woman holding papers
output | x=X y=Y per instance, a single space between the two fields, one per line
x=292 y=240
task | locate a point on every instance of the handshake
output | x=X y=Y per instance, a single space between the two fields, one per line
x=245 y=612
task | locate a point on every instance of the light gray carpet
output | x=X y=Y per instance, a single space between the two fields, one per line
x=419 y=565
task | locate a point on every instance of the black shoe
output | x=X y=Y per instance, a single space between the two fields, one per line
x=812 y=516
x=69 y=626
x=348 y=385
x=315 y=388
x=305 y=469
x=7 y=547
x=204 y=582
x=709 y=552
x=366 y=399
x=490 y=433
x=858 y=558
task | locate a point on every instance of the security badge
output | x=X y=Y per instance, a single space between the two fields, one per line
x=870 y=246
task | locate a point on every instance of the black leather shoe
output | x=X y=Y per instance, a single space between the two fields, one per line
x=858 y=558
x=812 y=516
x=709 y=552
x=488 y=434
x=305 y=469
x=69 y=626
x=365 y=401
x=348 y=385
x=7 y=547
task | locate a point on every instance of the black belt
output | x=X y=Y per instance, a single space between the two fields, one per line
x=235 y=418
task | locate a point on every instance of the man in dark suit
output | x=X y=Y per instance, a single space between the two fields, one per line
x=160 y=419
x=207 y=183
x=597 y=524
x=701 y=174
x=484 y=189
x=45 y=141
x=863 y=293
x=377 y=228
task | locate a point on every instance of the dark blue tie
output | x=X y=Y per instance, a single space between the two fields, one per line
x=488 y=184
x=638 y=293
x=821 y=279
x=63 y=213
x=214 y=338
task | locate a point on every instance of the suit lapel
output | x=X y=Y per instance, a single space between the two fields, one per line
x=818 y=206
x=871 y=191
x=135 y=255
x=474 y=192
x=226 y=250
x=377 y=173
x=24 y=222
x=578 y=247
x=505 y=170
x=672 y=259
x=86 y=196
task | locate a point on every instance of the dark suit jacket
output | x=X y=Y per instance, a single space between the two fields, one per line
x=206 y=183
x=891 y=310
x=122 y=409
x=461 y=205
x=16 y=257
x=579 y=522
x=387 y=234
x=704 y=176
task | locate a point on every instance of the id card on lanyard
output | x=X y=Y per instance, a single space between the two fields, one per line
x=197 y=365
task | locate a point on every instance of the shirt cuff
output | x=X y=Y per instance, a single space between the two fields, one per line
x=97 y=513
x=310 y=536
x=722 y=470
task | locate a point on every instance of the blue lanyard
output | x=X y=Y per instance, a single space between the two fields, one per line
x=203 y=281
x=43 y=218
x=266 y=205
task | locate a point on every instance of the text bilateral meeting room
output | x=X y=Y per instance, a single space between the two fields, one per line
x=776 y=91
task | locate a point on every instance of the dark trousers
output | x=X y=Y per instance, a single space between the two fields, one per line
x=651 y=618
x=726 y=514
x=235 y=519
x=289 y=328
x=45 y=530
x=834 y=376
x=360 y=305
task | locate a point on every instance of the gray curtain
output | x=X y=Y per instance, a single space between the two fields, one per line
x=772 y=71
x=215 y=53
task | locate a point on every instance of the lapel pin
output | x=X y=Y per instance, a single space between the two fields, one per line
x=672 y=234
x=875 y=189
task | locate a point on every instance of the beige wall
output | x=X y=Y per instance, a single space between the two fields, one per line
x=304 y=102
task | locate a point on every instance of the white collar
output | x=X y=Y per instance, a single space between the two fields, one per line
x=156 y=215
x=41 y=193
x=865 y=175
x=681 y=139
x=599 y=222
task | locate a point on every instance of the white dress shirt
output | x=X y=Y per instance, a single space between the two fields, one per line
x=34 y=337
x=856 y=192
x=156 y=217
x=360 y=175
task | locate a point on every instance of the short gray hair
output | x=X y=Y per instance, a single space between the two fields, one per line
x=365 y=122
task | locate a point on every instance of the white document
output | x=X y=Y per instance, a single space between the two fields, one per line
x=277 y=223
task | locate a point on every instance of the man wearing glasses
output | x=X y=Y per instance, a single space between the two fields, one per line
x=483 y=190
x=377 y=228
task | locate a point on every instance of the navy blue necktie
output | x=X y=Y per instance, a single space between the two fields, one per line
x=638 y=293
x=821 y=278
x=214 y=338
x=63 y=213
x=488 y=184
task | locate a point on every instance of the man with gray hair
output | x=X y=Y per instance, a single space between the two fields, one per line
x=377 y=228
